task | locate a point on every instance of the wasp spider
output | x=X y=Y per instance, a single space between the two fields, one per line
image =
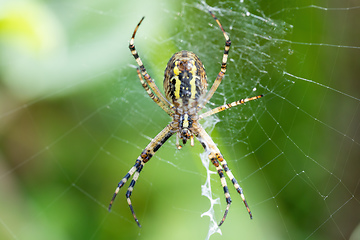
x=185 y=87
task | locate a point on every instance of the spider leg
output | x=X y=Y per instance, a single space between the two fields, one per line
x=153 y=96
x=220 y=164
x=220 y=170
x=131 y=188
x=144 y=157
x=223 y=66
x=147 y=77
x=227 y=106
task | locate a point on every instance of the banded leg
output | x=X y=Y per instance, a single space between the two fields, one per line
x=227 y=106
x=223 y=66
x=153 y=96
x=220 y=164
x=219 y=169
x=144 y=157
x=131 y=188
x=147 y=77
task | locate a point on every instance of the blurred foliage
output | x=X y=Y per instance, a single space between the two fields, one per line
x=74 y=118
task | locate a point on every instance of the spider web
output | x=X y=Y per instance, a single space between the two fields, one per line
x=74 y=118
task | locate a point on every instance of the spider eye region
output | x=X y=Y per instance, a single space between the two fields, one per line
x=185 y=123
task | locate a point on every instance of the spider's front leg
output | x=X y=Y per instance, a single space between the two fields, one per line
x=220 y=164
x=144 y=157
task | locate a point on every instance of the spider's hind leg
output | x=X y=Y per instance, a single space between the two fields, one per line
x=131 y=188
x=220 y=164
x=123 y=181
x=135 y=170
x=144 y=157
x=220 y=171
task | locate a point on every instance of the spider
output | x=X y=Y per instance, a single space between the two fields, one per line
x=185 y=86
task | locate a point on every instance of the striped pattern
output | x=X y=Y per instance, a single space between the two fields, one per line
x=227 y=106
x=185 y=86
x=220 y=164
x=144 y=157
x=185 y=79
x=165 y=105
x=221 y=74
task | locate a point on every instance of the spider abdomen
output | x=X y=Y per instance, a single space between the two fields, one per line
x=185 y=79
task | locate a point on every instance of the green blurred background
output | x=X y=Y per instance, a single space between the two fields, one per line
x=74 y=117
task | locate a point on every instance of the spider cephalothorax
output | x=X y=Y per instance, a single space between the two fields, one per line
x=185 y=87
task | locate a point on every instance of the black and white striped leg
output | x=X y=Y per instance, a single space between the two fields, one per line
x=220 y=164
x=153 y=96
x=130 y=189
x=146 y=76
x=144 y=157
x=234 y=181
x=221 y=74
x=135 y=170
x=124 y=180
x=220 y=171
